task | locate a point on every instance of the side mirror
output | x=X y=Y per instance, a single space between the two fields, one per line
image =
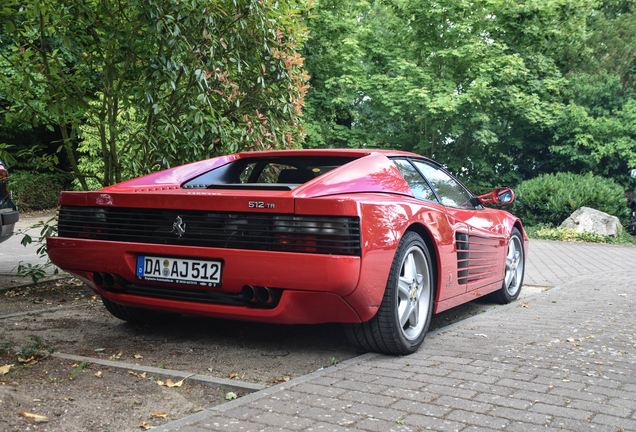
x=633 y=173
x=499 y=196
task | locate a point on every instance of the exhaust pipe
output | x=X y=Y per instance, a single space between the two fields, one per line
x=267 y=295
x=248 y=294
x=98 y=279
x=109 y=280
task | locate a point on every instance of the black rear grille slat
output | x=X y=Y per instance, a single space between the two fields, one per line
x=338 y=235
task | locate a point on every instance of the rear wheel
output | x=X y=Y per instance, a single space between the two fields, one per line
x=515 y=267
x=404 y=316
x=135 y=315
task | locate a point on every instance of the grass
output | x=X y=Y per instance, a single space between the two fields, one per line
x=548 y=232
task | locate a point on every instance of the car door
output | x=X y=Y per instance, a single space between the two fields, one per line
x=479 y=237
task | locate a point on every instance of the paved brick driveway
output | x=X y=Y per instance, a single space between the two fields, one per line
x=561 y=360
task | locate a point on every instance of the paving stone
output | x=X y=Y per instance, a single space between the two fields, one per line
x=328 y=391
x=450 y=391
x=414 y=395
x=433 y=423
x=520 y=415
x=361 y=386
x=487 y=388
x=604 y=419
x=601 y=408
x=631 y=404
x=478 y=419
x=505 y=401
x=387 y=382
x=463 y=376
x=523 y=385
x=327 y=427
x=326 y=380
x=280 y=420
x=429 y=409
x=464 y=404
x=382 y=413
x=535 y=397
x=226 y=424
x=576 y=395
x=377 y=425
x=339 y=418
x=371 y=399
x=581 y=426
x=529 y=427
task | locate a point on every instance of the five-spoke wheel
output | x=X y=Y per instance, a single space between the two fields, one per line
x=405 y=314
x=513 y=276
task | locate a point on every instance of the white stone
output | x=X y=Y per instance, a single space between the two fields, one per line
x=593 y=221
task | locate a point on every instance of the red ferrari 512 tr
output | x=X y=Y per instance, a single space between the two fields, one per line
x=379 y=240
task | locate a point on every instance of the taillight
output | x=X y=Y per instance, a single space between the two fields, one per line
x=3 y=172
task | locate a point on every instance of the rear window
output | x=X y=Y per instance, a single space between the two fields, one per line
x=278 y=173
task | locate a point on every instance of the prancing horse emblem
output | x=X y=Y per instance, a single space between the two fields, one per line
x=178 y=227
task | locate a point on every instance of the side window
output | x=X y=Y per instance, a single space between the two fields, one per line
x=414 y=179
x=449 y=190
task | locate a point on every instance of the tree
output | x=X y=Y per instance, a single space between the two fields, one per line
x=182 y=80
x=474 y=84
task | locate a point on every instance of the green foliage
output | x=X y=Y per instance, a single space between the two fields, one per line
x=197 y=79
x=37 y=191
x=551 y=198
x=548 y=232
x=38 y=271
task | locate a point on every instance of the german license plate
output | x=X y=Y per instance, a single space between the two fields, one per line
x=179 y=270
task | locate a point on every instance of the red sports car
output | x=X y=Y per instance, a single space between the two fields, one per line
x=379 y=240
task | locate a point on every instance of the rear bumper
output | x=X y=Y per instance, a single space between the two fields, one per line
x=313 y=285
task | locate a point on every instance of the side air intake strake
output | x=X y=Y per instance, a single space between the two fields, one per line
x=337 y=235
x=476 y=258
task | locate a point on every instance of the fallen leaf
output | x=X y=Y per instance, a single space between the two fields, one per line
x=233 y=376
x=159 y=382
x=159 y=414
x=170 y=383
x=283 y=379
x=37 y=400
x=525 y=304
x=143 y=375
x=230 y=395
x=99 y=349
x=30 y=360
x=94 y=298
x=145 y=425
x=138 y=356
x=5 y=369
x=570 y=339
x=69 y=399
x=98 y=374
x=34 y=416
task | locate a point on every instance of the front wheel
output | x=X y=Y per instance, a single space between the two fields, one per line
x=515 y=267
x=404 y=316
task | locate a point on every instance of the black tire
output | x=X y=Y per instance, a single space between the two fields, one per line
x=515 y=270
x=408 y=299
x=135 y=315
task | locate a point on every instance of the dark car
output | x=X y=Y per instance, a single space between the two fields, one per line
x=9 y=214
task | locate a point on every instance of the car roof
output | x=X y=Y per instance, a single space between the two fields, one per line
x=323 y=152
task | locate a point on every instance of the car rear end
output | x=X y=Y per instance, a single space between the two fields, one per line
x=9 y=214
x=218 y=242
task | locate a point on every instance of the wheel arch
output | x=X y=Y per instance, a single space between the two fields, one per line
x=423 y=232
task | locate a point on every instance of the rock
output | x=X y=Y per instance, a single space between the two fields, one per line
x=593 y=221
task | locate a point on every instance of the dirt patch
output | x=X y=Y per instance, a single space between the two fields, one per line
x=96 y=398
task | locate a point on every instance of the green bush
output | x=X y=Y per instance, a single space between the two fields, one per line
x=37 y=191
x=551 y=198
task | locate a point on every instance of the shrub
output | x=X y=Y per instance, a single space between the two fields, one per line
x=38 y=191
x=551 y=198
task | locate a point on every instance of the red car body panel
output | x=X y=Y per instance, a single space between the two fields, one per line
x=315 y=287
